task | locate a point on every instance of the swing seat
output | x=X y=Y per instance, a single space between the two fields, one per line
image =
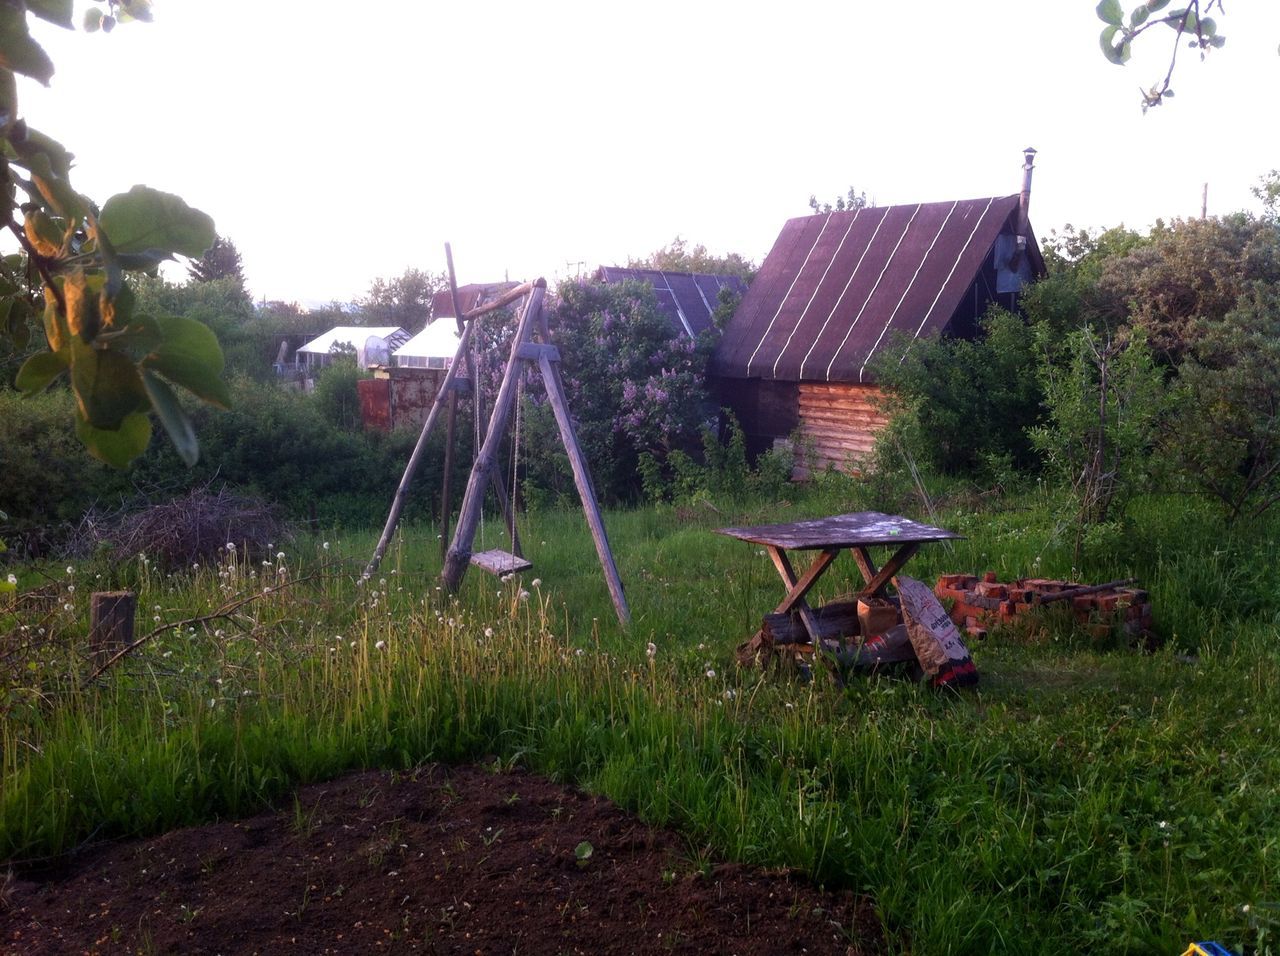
x=499 y=562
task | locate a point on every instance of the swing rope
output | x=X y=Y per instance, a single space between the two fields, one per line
x=515 y=459
x=475 y=416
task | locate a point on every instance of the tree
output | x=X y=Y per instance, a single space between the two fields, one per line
x=221 y=261
x=676 y=256
x=404 y=301
x=847 y=203
x=1225 y=436
x=635 y=385
x=122 y=363
x=1186 y=274
x=1191 y=23
x=1104 y=398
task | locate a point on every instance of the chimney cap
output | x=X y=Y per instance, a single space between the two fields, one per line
x=1030 y=153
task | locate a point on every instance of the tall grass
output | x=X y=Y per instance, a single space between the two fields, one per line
x=1083 y=799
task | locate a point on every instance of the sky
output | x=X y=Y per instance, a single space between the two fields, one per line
x=335 y=143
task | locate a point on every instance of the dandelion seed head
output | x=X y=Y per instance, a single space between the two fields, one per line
x=13 y=579
x=381 y=645
x=70 y=569
x=651 y=651
x=325 y=546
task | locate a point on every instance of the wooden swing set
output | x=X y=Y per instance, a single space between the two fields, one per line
x=531 y=346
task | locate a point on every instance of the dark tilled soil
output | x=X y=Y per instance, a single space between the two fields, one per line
x=443 y=860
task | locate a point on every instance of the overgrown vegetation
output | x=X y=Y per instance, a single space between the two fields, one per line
x=1086 y=796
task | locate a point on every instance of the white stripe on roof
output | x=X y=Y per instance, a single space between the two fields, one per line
x=942 y=288
x=843 y=292
x=923 y=259
x=870 y=295
x=765 y=336
x=805 y=311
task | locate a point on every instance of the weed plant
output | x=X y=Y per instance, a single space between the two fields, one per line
x=1085 y=798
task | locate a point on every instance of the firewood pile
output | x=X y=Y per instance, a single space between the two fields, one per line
x=1102 y=609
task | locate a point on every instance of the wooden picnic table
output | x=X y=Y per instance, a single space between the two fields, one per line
x=854 y=532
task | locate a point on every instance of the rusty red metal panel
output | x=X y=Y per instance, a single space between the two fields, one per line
x=836 y=288
x=412 y=392
x=375 y=403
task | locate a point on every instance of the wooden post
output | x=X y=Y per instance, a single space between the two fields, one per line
x=397 y=503
x=582 y=479
x=111 y=615
x=446 y=492
x=459 y=553
x=446 y=489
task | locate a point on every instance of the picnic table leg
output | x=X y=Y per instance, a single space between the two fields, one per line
x=877 y=580
x=798 y=587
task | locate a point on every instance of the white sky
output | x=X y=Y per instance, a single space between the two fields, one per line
x=336 y=142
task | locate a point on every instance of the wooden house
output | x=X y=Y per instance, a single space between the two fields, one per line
x=798 y=356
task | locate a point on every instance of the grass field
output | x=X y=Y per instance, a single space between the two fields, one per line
x=1085 y=798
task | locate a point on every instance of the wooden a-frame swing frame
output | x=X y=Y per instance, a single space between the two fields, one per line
x=532 y=345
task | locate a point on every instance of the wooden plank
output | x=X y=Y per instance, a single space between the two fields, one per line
x=582 y=480
x=833 y=621
x=501 y=302
x=499 y=562
x=111 y=616
x=875 y=587
x=533 y=351
x=856 y=529
x=458 y=556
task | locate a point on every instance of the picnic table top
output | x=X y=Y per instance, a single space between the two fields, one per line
x=853 y=530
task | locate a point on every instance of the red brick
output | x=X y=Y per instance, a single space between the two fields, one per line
x=990 y=578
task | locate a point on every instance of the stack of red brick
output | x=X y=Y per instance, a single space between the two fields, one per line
x=979 y=603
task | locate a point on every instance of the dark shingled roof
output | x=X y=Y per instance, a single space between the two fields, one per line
x=687 y=299
x=835 y=288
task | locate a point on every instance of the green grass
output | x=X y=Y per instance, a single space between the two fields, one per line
x=1084 y=799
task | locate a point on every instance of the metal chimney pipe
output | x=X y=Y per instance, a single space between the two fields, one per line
x=1024 y=200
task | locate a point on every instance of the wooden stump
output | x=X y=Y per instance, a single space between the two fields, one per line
x=111 y=615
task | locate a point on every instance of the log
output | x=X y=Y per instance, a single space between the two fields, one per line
x=111 y=615
x=833 y=621
x=502 y=301
x=419 y=449
x=459 y=554
x=1081 y=592
x=586 y=491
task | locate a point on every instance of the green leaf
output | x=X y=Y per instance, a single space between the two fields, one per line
x=1155 y=6
x=189 y=355
x=8 y=102
x=43 y=233
x=55 y=11
x=1208 y=27
x=55 y=323
x=135 y=10
x=18 y=52
x=145 y=219
x=107 y=386
x=1139 y=16
x=92 y=20
x=1113 y=53
x=116 y=447
x=39 y=371
x=81 y=293
x=173 y=418
x=1109 y=11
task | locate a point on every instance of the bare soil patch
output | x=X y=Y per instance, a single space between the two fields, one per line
x=440 y=860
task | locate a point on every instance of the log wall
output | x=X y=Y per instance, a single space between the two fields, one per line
x=838 y=423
